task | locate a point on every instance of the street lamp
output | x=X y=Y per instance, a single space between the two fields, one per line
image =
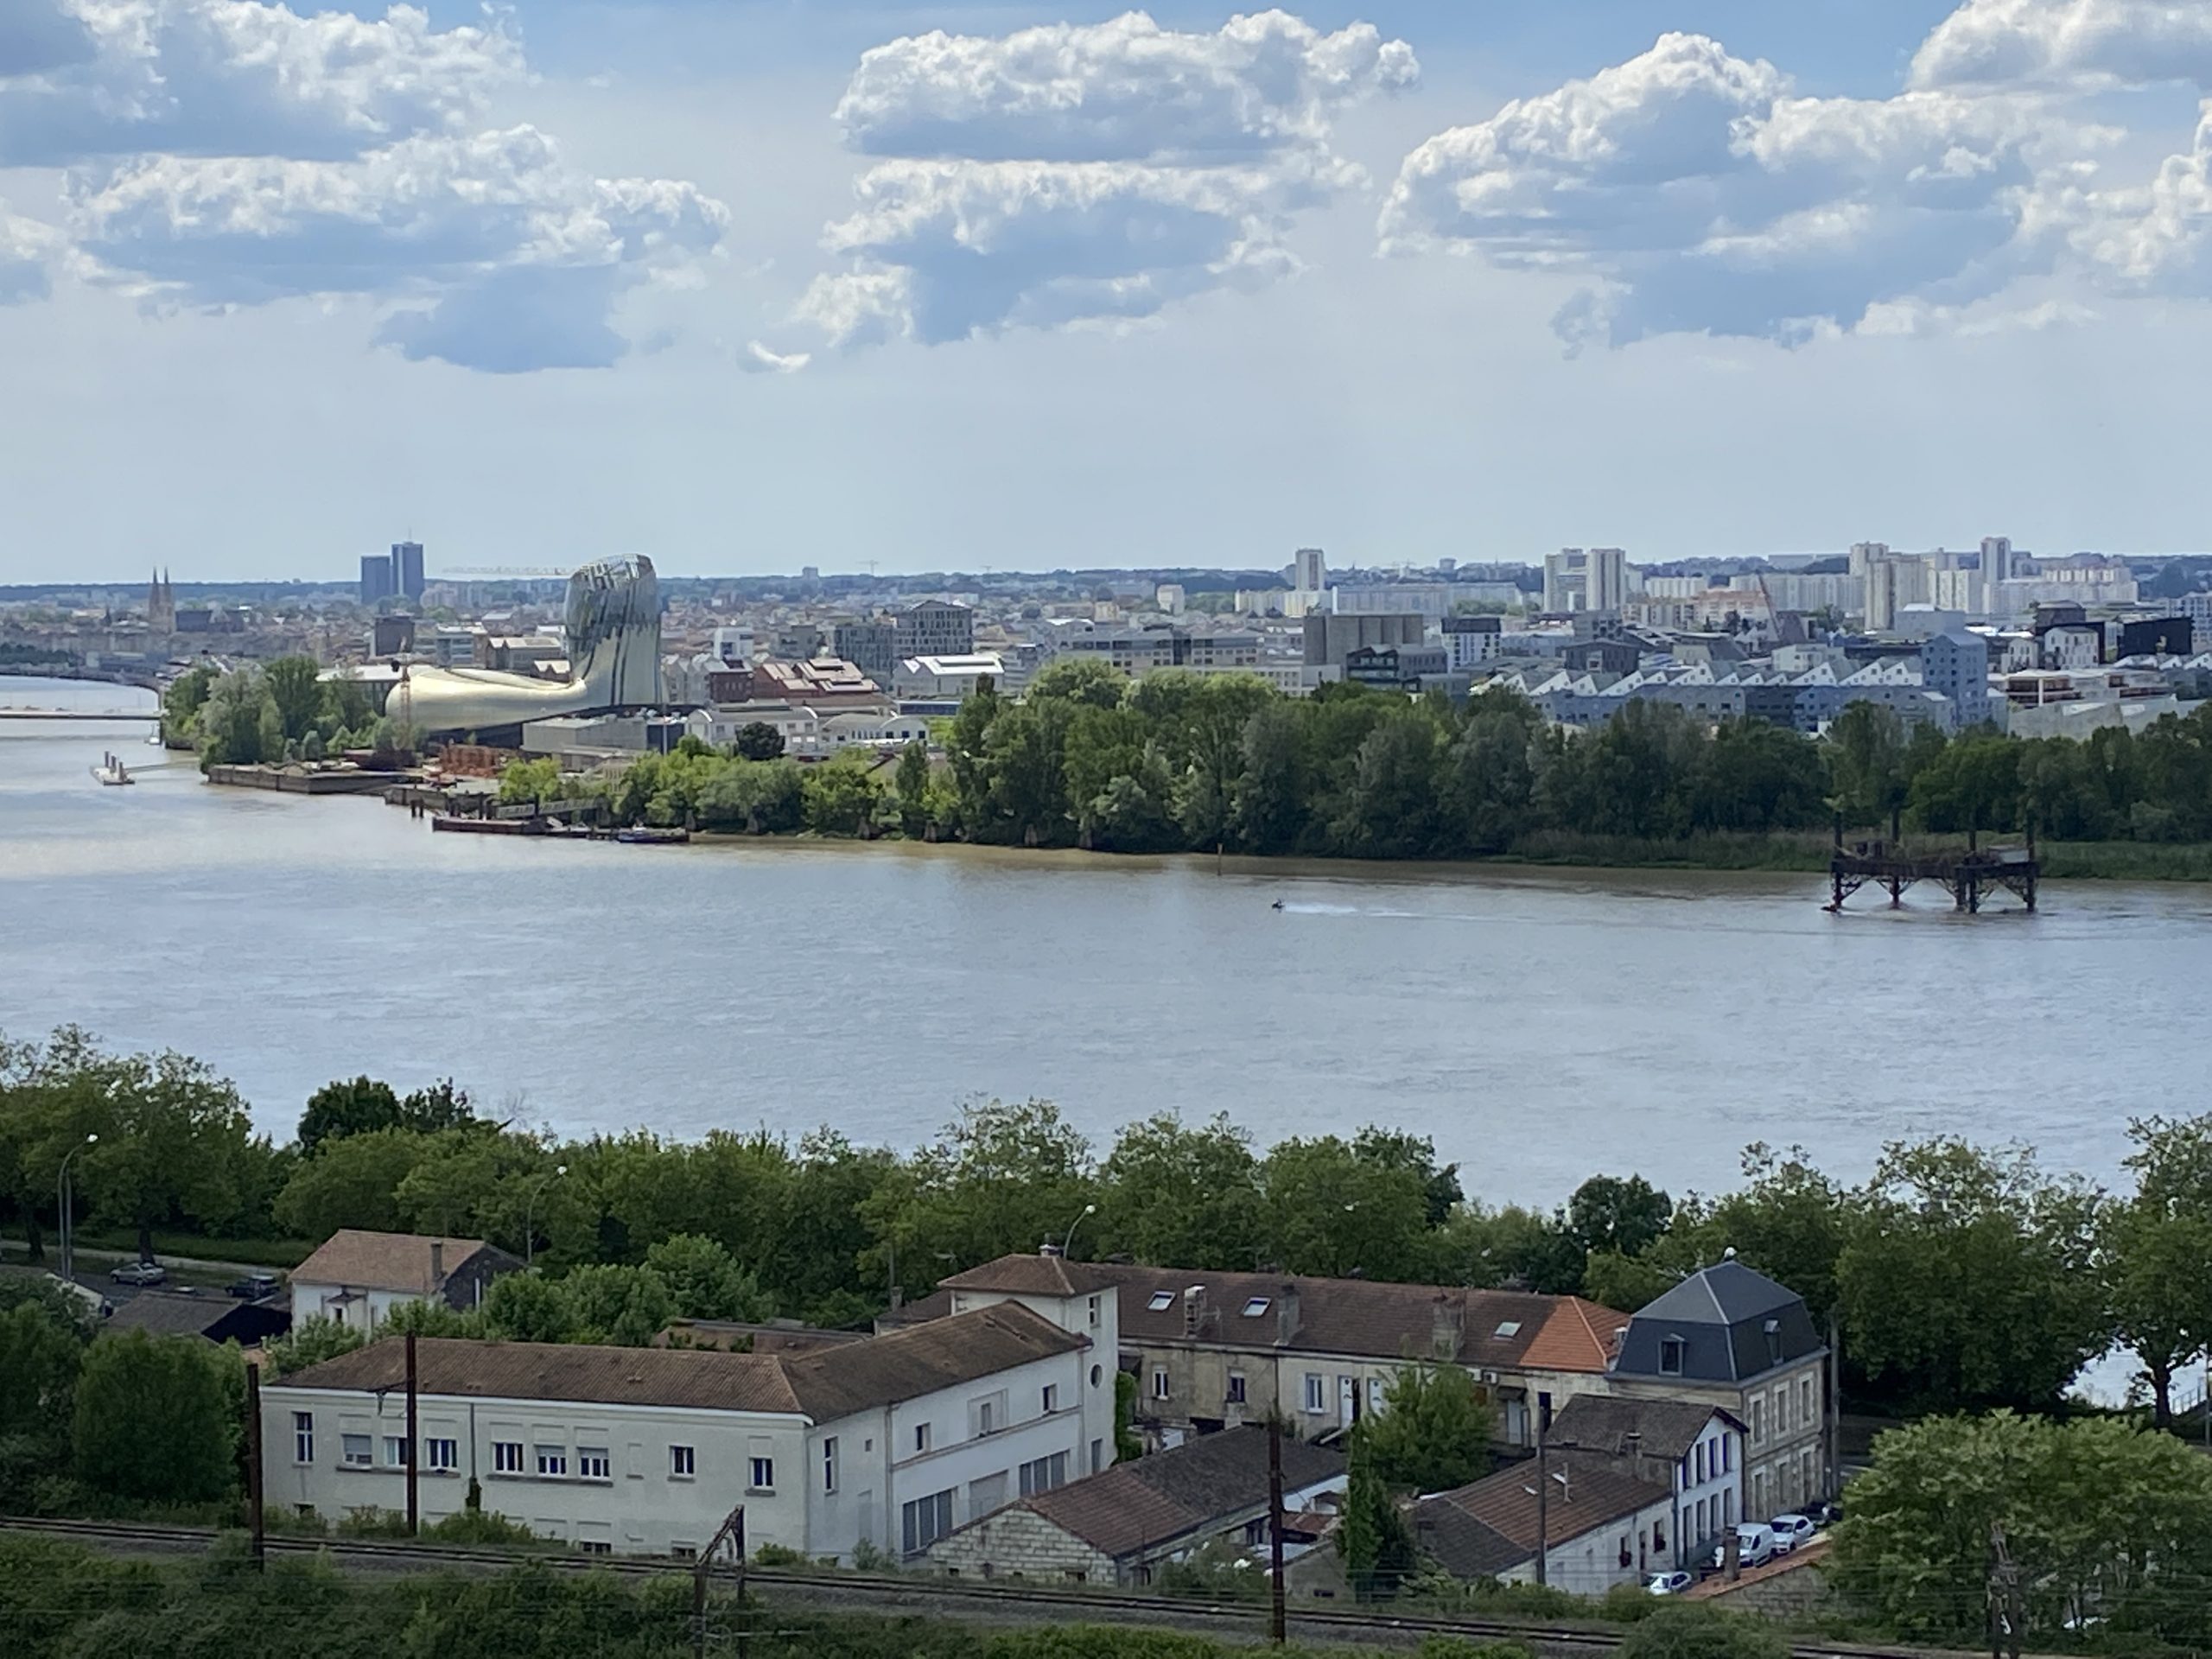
x=1067 y=1239
x=65 y=1217
x=530 y=1209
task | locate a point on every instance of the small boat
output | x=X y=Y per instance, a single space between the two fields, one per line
x=111 y=770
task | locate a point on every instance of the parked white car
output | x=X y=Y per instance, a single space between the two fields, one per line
x=1791 y=1530
x=1669 y=1584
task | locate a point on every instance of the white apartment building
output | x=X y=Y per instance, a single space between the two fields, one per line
x=892 y=1442
x=933 y=679
x=797 y=724
x=1139 y=651
x=870 y=730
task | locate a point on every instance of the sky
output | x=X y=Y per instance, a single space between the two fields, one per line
x=748 y=285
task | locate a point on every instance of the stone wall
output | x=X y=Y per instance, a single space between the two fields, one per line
x=1019 y=1543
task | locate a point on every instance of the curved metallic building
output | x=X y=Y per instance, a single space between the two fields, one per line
x=613 y=639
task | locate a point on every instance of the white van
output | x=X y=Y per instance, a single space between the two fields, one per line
x=1754 y=1546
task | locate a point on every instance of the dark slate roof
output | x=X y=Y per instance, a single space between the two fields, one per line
x=1461 y=1545
x=1604 y=1422
x=219 y=1319
x=1203 y=1485
x=1734 y=1323
x=823 y=1384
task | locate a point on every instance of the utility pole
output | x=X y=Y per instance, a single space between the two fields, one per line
x=2006 y=1617
x=1835 y=1405
x=413 y=1387
x=1275 y=1622
x=1543 y=1531
x=253 y=1495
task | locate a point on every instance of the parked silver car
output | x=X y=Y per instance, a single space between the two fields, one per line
x=140 y=1274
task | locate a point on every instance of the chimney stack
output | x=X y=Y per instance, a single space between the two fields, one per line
x=1448 y=1324
x=1286 y=1316
x=437 y=1265
x=1194 y=1309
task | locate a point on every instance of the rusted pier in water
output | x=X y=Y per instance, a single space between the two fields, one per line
x=1969 y=876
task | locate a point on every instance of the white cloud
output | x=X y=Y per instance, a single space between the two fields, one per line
x=239 y=77
x=1125 y=89
x=27 y=252
x=756 y=358
x=1695 y=191
x=521 y=256
x=1064 y=175
x=2091 y=42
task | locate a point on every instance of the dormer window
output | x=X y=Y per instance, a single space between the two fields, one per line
x=1256 y=1306
x=1508 y=1329
x=1670 y=1356
x=1161 y=1300
x=1774 y=1342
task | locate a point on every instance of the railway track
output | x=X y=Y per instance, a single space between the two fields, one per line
x=947 y=1597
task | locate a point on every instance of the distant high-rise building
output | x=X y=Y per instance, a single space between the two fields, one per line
x=1605 y=578
x=871 y=644
x=934 y=628
x=376 y=581
x=1863 y=554
x=1996 y=559
x=1309 y=570
x=1956 y=663
x=1565 y=580
x=407 y=568
x=1881 y=591
x=161 y=605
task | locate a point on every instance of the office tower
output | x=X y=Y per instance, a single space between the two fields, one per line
x=1996 y=559
x=1605 y=578
x=407 y=568
x=1309 y=569
x=376 y=578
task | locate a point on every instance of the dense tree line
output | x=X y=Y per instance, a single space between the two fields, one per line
x=1179 y=762
x=276 y=711
x=1961 y=1277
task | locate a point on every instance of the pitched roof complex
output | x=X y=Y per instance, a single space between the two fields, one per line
x=1139 y=1505
x=1616 y=1426
x=1482 y=1530
x=409 y=1262
x=823 y=1384
x=1722 y=1324
x=1050 y=1275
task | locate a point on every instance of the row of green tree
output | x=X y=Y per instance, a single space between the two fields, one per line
x=267 y=713
x=1960 y=1276
x=1181 y=762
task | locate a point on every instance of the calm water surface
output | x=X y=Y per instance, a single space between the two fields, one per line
x=1539 y=1027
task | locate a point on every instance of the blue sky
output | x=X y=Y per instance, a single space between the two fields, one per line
x=745 y=286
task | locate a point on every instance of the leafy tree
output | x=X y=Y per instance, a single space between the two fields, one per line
x=311 y=1341
x=1432 y=1431
x=1975 y=783
x=627 y=1306
x=174 y=1141
x=425 y=1318
x=1334 y=1207
x=1376 y=1542
x=2102 y=1520
x=1625 y=1282
x=839 y=799
x=911 y=785
x=181 y=703
x=705 y=1281
x=757 y=741
x=1624 y=1217
x=2155 y=1247
x=1969 y=1278
x=1183 y=1195
x=152 y=1419
x=1789 y=1221
x=40 y=1353
x=526 y=782
x=1088 y=682
x=344 y=1108
x=1515 y=1247
x=1388 y=811
x=1268 y=808
x=530 y=1307
x=295 y=689
x=353 y=1181
x=762 y=799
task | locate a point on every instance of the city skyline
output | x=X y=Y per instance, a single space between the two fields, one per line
x=741 y=293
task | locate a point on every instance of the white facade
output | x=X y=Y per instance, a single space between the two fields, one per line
x=659 y=1480
x=1708 y=1490
x=348 y=1305
x=870 y=730
x=1621 y=1551
x=1432 y=599
x=733 y=645
x=934 y=678
x=796 y=723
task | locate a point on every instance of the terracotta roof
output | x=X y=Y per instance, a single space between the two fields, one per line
x=1591 y=1496
x=1504 y=1329
x=1579 y=1336
x=1205 y=1483
x=823 y=1384
x=1032 y=1275
x=400 y=1262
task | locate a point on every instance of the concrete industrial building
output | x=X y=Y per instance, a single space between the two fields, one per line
x=1329 y=638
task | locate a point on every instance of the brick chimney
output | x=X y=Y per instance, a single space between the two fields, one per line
x=1286 y=1316
x=437 y=1265
x=1194 y=1309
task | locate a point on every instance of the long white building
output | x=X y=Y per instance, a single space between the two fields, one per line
x=891 y=1442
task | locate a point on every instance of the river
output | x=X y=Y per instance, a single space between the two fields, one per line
x=1539 y=1025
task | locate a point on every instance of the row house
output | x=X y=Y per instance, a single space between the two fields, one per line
x=888 y=1443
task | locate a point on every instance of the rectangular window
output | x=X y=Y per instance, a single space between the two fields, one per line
x=395 y=1451
x=303 y=1437
x=1670 y=1356
x=763 y=1475
x=1236 y=1388
x=1094 y=1310
x=552 y=1461
x=1098 y=1455
x=984 y=1424
x=1759 y=1420
x=594 y=1464
x=682 y=1463
x=1051 y=1398
x=921 y=1437
x=1160 y=1385
x=594 y=1547
x=684 y=1552
x=925 y=1520
x=357 y=1451
x=507 y=1456
x=829 y=1463
x=1699 y=1455
x=442 y=1455
x=1161 y=1300
x=1805 y=1401
x=1313 y=1390
x=1043 y=1474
